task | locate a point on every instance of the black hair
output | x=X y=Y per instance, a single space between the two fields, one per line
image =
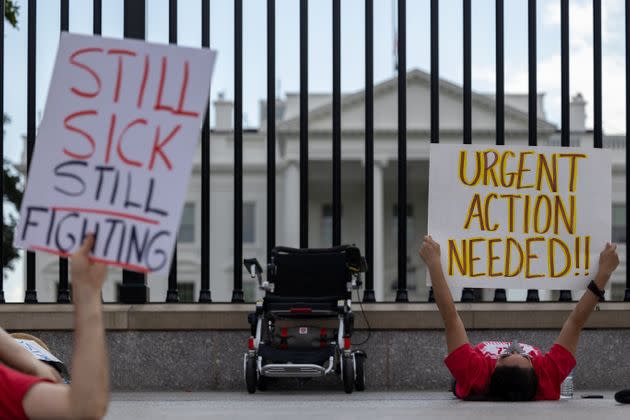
x=512 y=383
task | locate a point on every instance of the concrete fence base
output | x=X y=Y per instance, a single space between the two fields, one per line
x=198 y=360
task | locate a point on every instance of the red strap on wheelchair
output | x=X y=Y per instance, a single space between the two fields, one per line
x=301 y=310
x=322 y=337
x=284 y=333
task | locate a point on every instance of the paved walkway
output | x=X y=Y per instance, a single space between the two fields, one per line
x=279 y=405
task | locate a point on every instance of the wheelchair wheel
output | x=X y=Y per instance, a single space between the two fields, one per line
x=359 y=380
x=348 y=374
x=251 y=375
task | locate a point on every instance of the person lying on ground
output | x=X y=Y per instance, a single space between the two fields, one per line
x=511 y=371
x=32 y=389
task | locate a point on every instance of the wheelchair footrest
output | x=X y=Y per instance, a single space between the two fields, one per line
x=289 y=370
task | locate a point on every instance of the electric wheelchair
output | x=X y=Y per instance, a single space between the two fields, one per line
x=302 y=328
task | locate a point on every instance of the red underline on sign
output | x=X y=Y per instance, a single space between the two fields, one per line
x=109 y=213
x=92 y=259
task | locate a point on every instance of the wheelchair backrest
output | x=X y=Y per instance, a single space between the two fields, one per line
x=312 y=272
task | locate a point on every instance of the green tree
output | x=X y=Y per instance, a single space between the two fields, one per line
x=11 y=11
x=12 y=191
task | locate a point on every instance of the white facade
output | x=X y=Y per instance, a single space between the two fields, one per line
x=320 y=184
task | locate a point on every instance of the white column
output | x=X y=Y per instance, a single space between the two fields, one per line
x=291 y=222
x=379 y=232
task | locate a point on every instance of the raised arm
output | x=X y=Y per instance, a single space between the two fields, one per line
x=453 y=325
x=88 y=395
x=570 y=333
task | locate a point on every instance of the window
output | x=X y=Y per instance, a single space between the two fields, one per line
x=186 y=292
x=619 y=223
x=249 y=222
x=326 y=229
x=187 y=226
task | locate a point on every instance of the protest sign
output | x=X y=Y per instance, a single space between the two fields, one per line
x=519 y=217
x=114 y=150
x=37 y=351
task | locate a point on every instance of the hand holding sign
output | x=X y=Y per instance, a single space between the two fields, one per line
x=519 y=217
x=88 y=273
x=430 y=251
x=114 y=150
x=608 y=260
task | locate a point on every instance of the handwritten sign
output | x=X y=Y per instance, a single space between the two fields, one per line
x=519 y=217
x=37 y=351
x=114 y=150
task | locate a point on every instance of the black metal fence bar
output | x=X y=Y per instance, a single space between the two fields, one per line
x=565 y=295
x=468 y=294
x=134 y=285
x=172 y=294
x=237 y=293
x=134 y=288
x=564 y=94
x=30 y=295
x=303 y=123
x=205 y=295
x=435 y=71
x=499 y=294
x=500 y=72
x=597 y=74
x=97 y=17
x=467 y=86
x=627 y=291
x=532 y=74
x=401 y=293
x=435 y=84
x=597 y=80
x=336 y=124
x=63 y=291
x=368 y=293
x=532 y=294
x=2 y=300
x=271 y=126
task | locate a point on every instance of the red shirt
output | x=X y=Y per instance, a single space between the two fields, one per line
x=472 y=367
x=13 y=387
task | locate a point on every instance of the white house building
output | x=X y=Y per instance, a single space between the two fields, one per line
x=320 y=184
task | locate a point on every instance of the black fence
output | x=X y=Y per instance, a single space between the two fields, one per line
x=134 y=288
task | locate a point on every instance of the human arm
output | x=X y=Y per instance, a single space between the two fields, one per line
x=570 y=333
x=88 y=395
x=453 y=325
x=14 y=355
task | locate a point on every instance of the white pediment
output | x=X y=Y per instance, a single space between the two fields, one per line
x=418 y=110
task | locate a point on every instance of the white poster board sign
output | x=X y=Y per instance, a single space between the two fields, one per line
x=519 y=217
x=37 y=351
x=114 y=150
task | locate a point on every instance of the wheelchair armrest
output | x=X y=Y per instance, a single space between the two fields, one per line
x=253 y=267
x=355 y=261
x=255 y=270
